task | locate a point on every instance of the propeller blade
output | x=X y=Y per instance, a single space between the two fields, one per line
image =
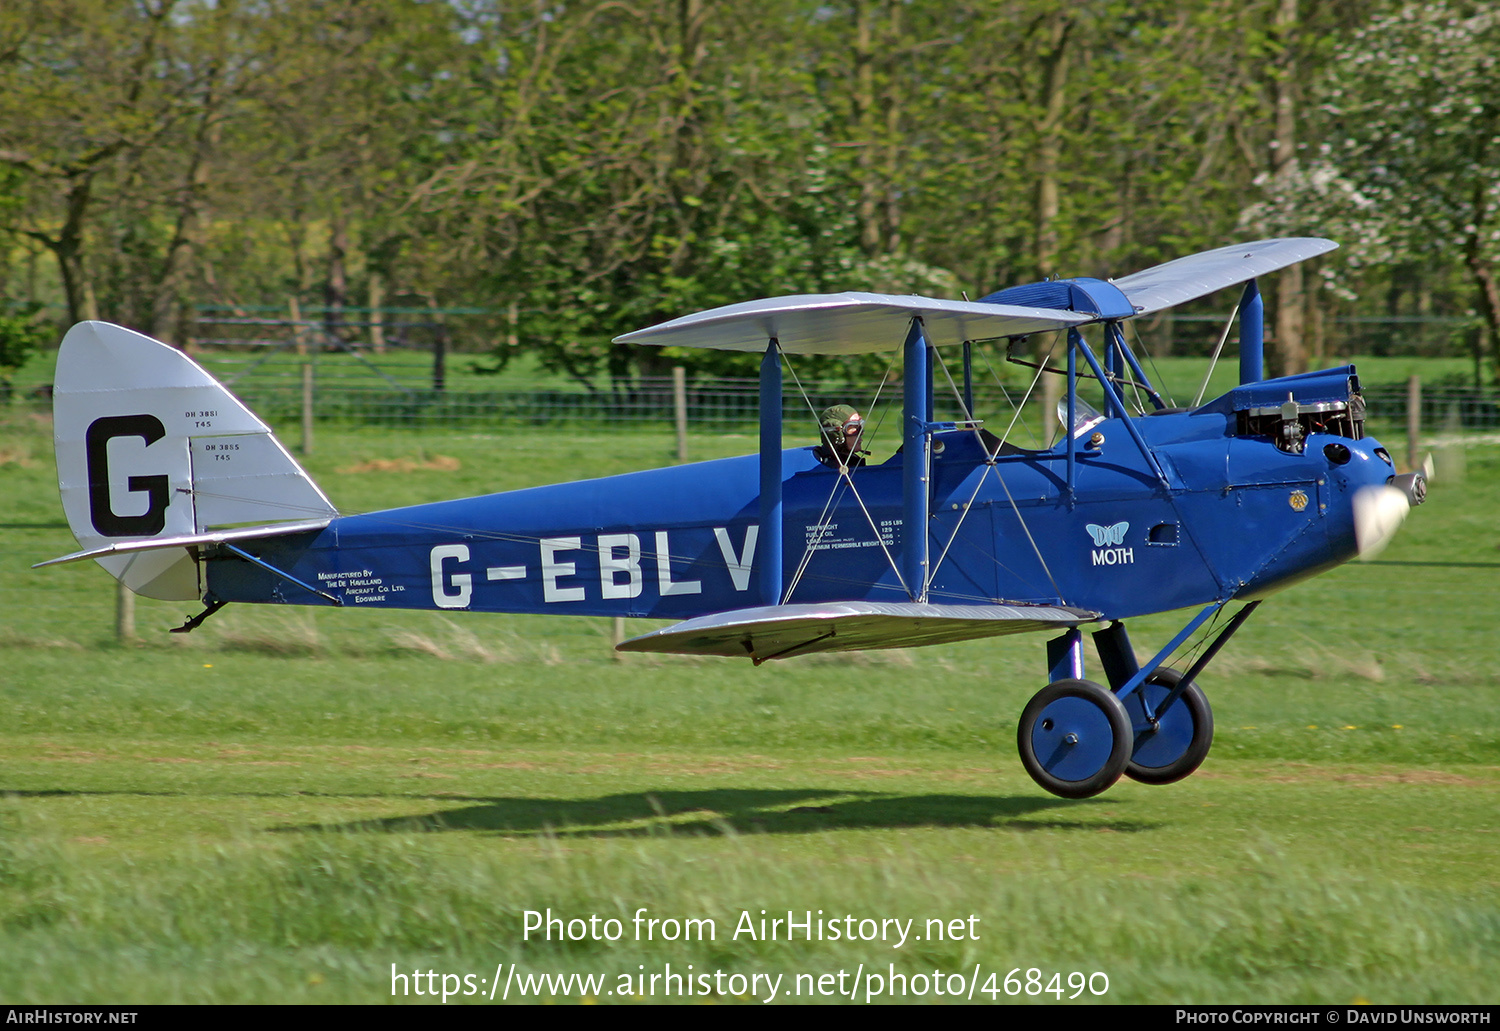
x=1378 y=514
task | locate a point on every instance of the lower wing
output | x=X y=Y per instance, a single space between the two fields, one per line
x=777 y=631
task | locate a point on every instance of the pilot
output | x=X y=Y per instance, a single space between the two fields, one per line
x=842 y=431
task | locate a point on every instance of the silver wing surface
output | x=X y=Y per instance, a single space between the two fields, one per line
x=1198 y=275
x=848 y=323
x=775 y=631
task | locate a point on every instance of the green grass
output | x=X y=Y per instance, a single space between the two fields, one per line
x=285 y=803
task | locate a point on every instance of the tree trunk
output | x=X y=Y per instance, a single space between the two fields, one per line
x=67 y=247
x=1317 y=333
x=1289 y=344
x=1476 y=258
x=891 y=151
x=864 y=124
x=168 y=313
x=1288 y=349
x=1049 y=146
x=336 y=286
x=1487 y=291
x=376 y=286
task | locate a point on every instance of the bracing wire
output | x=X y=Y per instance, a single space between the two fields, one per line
x=1161 y=384
x=1035 y=379
x=993 y=465
x=845 y=477
x=1215 y=359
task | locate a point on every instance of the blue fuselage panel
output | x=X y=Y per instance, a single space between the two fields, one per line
x=1236 y=516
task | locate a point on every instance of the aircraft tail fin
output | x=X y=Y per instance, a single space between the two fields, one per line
x=151 y=447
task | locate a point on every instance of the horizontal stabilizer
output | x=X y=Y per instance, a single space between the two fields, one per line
x=774 y=631
x=189 y=540
x=848 y=323
x=1199 y=275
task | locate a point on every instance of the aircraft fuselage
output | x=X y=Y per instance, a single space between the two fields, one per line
x=1236 y=516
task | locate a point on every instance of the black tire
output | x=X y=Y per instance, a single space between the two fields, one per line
x=1074 y=738
x=1180 y=742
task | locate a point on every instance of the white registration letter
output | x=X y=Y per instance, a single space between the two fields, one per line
x=611 y=565
x=458 y=598
x=739 y=565
x=552 y=569
x=664 y=571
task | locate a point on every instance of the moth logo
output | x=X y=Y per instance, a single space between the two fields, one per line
x=1108 y=534
x=1107 y=541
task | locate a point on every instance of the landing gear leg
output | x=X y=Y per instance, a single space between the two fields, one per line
x=1170 y=717
x=1173 y=742
x=1170 y=741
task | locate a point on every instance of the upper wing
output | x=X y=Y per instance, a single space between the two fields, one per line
x=856 y=323
x=1197 y=275
x=774 y=631
x=848 y=323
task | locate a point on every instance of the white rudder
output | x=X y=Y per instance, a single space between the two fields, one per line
x=151 y=448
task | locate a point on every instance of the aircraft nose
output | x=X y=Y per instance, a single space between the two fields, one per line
x=1413 y=485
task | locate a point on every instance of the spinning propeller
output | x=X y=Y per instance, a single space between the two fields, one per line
x=1380 y=511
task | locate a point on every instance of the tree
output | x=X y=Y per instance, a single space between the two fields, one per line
x=351 y=115
x=21 y=335
x=636 y=163
x=78 y=86
x=1415 y=103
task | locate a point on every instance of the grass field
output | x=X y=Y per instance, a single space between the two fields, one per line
x=289 y=804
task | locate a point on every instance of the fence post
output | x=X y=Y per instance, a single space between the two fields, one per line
x=679 y=402
x=439 y=347
x=1413 y=420
x=124 y=613
x=124 y=596
x=307 y=375
x=1451 y=458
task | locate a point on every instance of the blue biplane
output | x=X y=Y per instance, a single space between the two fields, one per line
x=181 y=493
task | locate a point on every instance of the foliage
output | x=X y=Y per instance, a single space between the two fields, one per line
x=21 y=336
x=586 y=169
x=1407 y=174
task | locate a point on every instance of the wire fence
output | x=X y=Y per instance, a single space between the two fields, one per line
x=400 y=371
x=723 y=402
x=715 y=403
x=1442 y=408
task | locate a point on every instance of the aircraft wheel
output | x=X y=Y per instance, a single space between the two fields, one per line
x=1074 y=738
x=1179 y=743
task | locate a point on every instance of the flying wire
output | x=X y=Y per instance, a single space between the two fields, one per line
x=1190 y=655
x=978 y=480
x=845 y=477
x=304 y=509
x=993 y=465
x=1118 y=343
x=1215 y=359
x=1161 y=384
x=1015 y=417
